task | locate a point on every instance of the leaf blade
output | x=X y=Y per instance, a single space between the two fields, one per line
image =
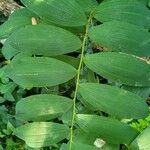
x=42 y=41
x=67 y=13
x=110 y=130
x=42 y=107
x=39 y=71
x=122 y=37
x=131 y=11
x=17 y=20
x=121 y=68
x=104 y=97
x=48 y=133
x=142 y=141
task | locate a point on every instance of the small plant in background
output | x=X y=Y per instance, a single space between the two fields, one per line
x=75 y=74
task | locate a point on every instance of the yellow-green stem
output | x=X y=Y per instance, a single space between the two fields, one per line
x=78 y=79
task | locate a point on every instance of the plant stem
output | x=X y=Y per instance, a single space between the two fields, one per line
x=78 y=79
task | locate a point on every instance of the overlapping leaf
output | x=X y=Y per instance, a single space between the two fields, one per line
x=43 y=40
x=110 y=130
x=18 y=19
x=78 y=146
x=42 y=107
x=142 y=142
x=39 y=71
x=132 y=11
x=120 y=67
x=8 y=50
x=42 y=134
x=87 y=5
x=122 y=37
x=143 y=92
x=87 y=140
x=66 y=13
x=68 y=59
x=105 y=97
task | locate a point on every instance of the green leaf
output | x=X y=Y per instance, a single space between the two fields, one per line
x=67 y=117
x=81 y=146
x=105 y=97
x=68 y=59
x=142 y=142
x=143 y=92
x=2 y=99
x=87 y=5
x=42 y=41
x=31 y=72
x=66 y=13
x=42 y=107
x=7 y=88
x=145 y=2
x=8 y=50
x=131 y=11
x=18 y=19
x=41 y=134
x=122 y=37
x=123 y=68
x=110 y=130
x=88 y=140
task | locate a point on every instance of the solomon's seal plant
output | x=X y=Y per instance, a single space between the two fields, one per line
x=80 y=73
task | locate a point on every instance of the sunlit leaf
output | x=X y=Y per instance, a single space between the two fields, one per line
x=142 y=142
x=41 y=134
x=42 y=107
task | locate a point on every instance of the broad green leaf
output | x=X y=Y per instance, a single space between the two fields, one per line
x=7 y=88
x=42 y=107
x=65 y=13
x=42 y=41
x=144 y=92
x=122 y=37
x=8 y=50
x=120 y=67
x=110 y=130
x=142 y=142
x=9 y=97
x=82 y=137
x=132 y=11
x=67 y=117
x=81 y=146
x=87 y=5
x=39 y=71
x=42 y=134
x=18 y=19
x=145 y=2
x=68 y=59
x=105 y=97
